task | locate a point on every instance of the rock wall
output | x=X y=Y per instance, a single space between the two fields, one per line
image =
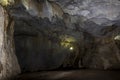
x=9 y=66
x=76 y=40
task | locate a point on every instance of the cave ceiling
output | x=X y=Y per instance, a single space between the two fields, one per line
x=98 y=11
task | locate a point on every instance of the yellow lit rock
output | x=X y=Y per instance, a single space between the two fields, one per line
x=6 y=2
x=67 y=42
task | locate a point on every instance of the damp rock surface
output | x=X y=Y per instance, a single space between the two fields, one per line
x=83 y=38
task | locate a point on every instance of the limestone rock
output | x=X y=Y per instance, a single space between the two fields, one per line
x=38 y=42
x=43 y=9
x=82 y=38
x=104 y=51
x=9 y=66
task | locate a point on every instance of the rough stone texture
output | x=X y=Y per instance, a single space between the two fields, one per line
x=9 y=67
x=38 y=43
x=92 y=34
x=98 y=11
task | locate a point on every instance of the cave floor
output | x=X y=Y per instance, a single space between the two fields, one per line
x=71 y=75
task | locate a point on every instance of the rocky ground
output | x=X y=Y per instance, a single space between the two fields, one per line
x=71 y=75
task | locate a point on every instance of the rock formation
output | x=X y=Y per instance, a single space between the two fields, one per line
x=9 y=66
x=44 y=42
x=53 y=34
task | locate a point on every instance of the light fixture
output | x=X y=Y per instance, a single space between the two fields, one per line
x=71 y=48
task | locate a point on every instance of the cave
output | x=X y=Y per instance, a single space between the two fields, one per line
x=59 y=39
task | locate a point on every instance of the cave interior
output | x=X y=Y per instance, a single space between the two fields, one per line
x=67 y=39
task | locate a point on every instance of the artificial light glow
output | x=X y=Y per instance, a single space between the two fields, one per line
x=67 y=41
x=71 y=48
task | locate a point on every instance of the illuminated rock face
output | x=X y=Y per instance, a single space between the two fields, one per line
x=9 y=67
x=43 y=9
x=6 y=2
x=41 y=43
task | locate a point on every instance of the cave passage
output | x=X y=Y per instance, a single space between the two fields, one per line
x=60 y=39
x=47 y=37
